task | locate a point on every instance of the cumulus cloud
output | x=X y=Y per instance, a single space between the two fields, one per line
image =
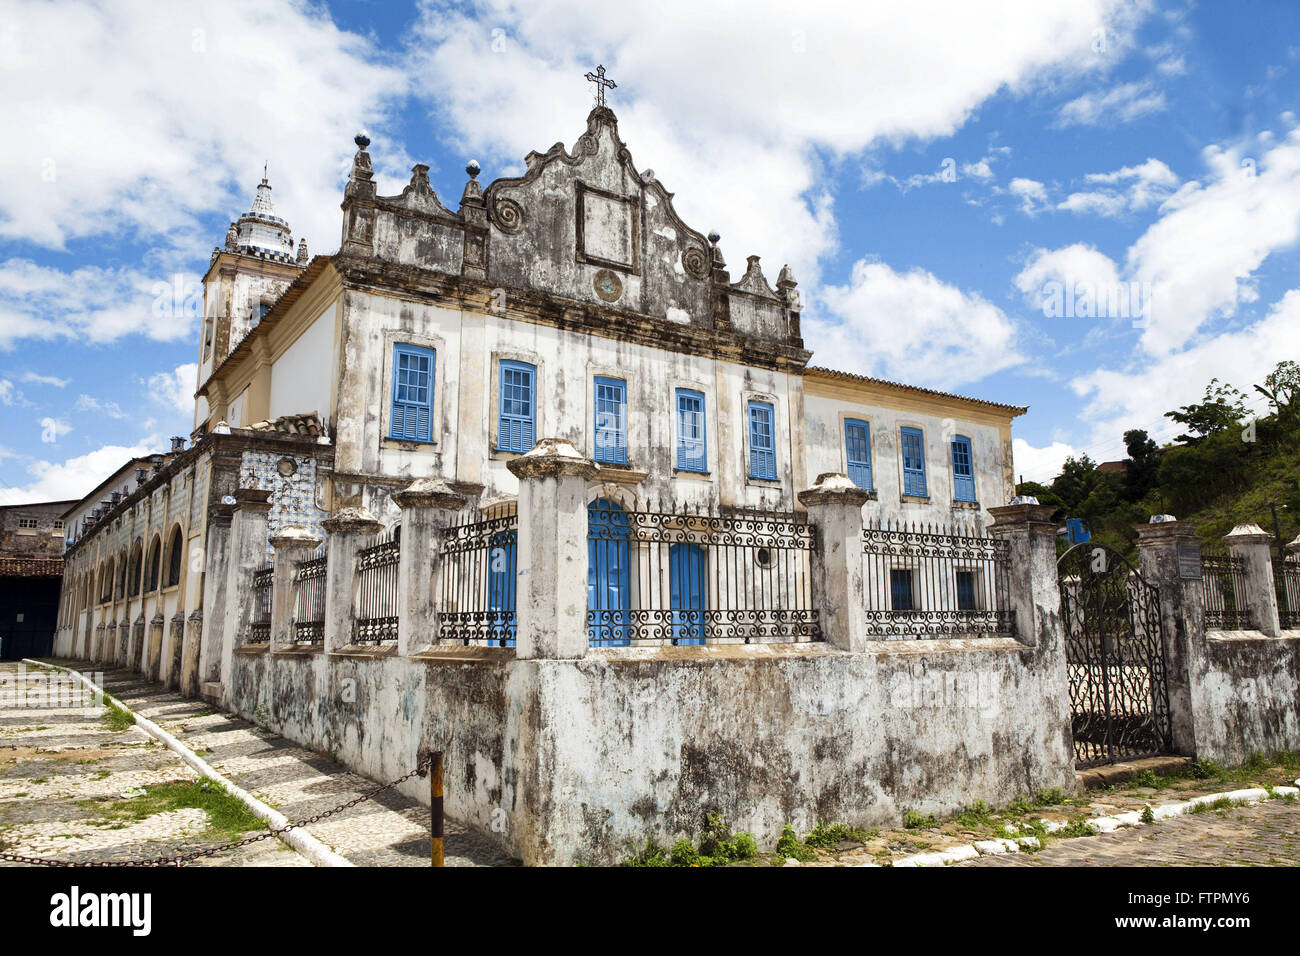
x=1040 y=464
x=1130 y=189
x=911 y=326
x=35 y=379
x=86 y=403
x=1031 y=193
x=175 y=389
x=73 y=477
x=738 y=138
x=1117 y=399
x=138 y=118
x=1120 y=104
x=90 y=304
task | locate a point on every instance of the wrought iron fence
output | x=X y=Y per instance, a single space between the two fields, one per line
x=259 y=630
x=375 y=609
x=1223 y=577
x=1286 y=577
x=923 y=581
x=477 y=601
x=680 y=578
x=309 y=599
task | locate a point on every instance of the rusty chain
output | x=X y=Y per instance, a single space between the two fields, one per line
x=421 y=769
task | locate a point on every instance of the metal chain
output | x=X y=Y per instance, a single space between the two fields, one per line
x=421 y=769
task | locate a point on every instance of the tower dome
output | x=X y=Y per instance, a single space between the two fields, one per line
x=260 y=232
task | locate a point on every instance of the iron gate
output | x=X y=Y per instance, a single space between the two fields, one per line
x=1119 y=701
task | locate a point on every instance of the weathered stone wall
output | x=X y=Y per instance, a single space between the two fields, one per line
x=1248 y=695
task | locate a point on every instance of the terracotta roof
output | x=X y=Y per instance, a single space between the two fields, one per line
x=1112 y=467
x=815 y=370
x=31 y=567
x=308 y=424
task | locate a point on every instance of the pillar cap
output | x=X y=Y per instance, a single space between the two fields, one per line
x=293 y=537
x=430 y=493
x=1034 y=517
x=553 y=458
x=352 y=520
x=1294 y=546
x=252 y=499
x=834 y=487
x=1248 y=534
x=1164 y=530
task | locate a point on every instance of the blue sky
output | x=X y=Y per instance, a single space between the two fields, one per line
x=934 y=174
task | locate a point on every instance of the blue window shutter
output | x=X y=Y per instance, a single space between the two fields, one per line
x=516 y=406
x=857 y=451
x=963 y=470
x=610 y=420
x=412 y=410
x=762 y=440
x=913 y=450
x=692 y=454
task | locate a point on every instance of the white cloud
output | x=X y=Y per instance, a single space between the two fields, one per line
x=1076 y=271
x=1040 y=464
x=1120 y=104
x=912 y=327
x=35 y=379
x=74 y=477
x=1137 y=397
x=1130 y=189
x=134 y=119
x=52 y=429
x=175 y=389
x=87 y=404
x=90 y=304
x=1031 y=193
x=1200 y=257
x=730 y=108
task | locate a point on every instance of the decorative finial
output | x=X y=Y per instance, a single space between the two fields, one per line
x=232 y=237
x=715 y=237
x=473 y=169
x=602 y=84
x=265 y=163
x=362 y=139
x=302 y=250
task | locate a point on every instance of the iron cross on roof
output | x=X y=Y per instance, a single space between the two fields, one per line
x=602 y=83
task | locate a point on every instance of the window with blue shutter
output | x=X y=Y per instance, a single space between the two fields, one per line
x=762 y=440
x=692 y=454
x=857 y=451
x=611 y=420
x=963 y=472
x=517 y=407
x=913 y=463
x=412 y=414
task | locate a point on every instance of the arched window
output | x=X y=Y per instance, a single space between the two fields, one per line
x=106 y=587
x=175 y=552
x=133 y=575
x=121 y=574
x=155 y=561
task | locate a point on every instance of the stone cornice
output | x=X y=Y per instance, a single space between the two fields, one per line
x=553 y=458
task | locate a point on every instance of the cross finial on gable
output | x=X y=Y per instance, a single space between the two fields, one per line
x=602 y=84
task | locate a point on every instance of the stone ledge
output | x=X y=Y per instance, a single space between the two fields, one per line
x=461 y=654
x=365 y=650
x=1097 y=778
x=252 y=649
x=1260 y=636
x=297 y=650
x=810 y=649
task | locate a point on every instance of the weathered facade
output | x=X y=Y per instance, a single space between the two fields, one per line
x=535 y=483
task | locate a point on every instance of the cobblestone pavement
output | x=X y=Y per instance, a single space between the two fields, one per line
x=1267 y=834
x=390 y=830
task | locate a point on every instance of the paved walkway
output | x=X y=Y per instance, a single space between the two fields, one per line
x=1267 y=834
x=54 y=760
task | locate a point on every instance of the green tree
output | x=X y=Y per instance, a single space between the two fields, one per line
x=1282 y=386
x=1222 y=407
x=1141 y=464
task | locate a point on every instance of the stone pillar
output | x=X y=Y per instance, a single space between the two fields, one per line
x=247 y=555
x=1031 y=574
x=189 y=678
x=1169 y=557
x=216 y=564
x=1255 y=546
x=291 y=545
x=426 y=504
x=552 y=557
x=834 y=506
x=349 y=530
x=1035 y=596
x=152 y=663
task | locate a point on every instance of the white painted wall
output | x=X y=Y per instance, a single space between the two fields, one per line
x=302 y=378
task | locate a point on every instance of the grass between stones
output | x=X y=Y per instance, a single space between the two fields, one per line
x=116 y=718
x=228 y=818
